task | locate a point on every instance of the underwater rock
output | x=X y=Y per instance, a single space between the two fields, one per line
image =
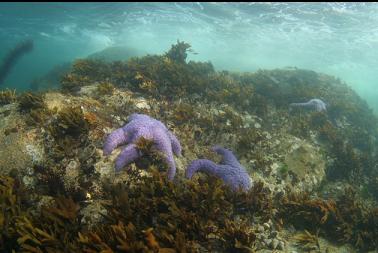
x=88 y=90
x=19 y=148
x=93 y=214
x=122 y=102
x=141 y=103
x=259 y=132
x=35 y=152
x=268 y=237
x=56 y=101
x=104 y=167
x=71 y=176
x=117 y=53
x=275 y=243
x=5 y=110
x=304 y=162
x=28 y=179
x=317 y=244
x=44 y=201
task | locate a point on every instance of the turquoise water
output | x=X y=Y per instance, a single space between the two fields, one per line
x=335 y=38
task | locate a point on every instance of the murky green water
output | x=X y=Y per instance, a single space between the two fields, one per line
x=334 y=38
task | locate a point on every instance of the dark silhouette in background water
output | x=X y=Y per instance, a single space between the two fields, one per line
x=12 y=57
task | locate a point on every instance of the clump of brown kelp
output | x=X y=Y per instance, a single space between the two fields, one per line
x=7 y=96
x=154 y=215
x=150 y=213
x=69 y=131
x=70 y=122
x=347 y=219
x=167 y=75
x=29 y=101
x=307 y=241
x=13 y=56
x=105 y=88
x=34 y=107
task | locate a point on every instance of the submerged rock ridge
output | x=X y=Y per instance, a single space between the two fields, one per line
x=315 y=174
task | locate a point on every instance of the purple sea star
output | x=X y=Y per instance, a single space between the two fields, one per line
x=229 y=170
x=314 y=103
x=140 y=125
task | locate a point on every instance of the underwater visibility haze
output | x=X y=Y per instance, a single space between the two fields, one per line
x=188 y=127
x=334 y=38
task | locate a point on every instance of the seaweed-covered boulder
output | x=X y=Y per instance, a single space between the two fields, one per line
x=292 y=162
x=20 y=147
x=304 y=163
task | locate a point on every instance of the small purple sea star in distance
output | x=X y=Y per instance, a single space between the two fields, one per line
x=314 y=103
x=140 y=125
x=229 y=170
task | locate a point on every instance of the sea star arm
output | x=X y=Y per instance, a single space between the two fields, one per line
x=202 y=165
x=176 y=147
x=123 y=135
x=318 y=108
x=299 y=104
x=227 y=156
x=315 y=103
x=127 y=156
x=163 y=144
x=230 y=171
x=172 y=166
x=320 y=105
x=235 y=177
x=115 y=139
x=134 y=116
x=140 y=125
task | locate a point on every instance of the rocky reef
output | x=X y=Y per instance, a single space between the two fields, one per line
x=314 y=172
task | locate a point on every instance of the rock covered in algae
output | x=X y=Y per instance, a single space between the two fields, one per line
x=256 y=130
x=306 y=162
x=93 y=213
x=19 y=147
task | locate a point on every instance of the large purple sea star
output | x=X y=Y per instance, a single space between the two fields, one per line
x=143 y=126
x=229 y=170
x=314 y=103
